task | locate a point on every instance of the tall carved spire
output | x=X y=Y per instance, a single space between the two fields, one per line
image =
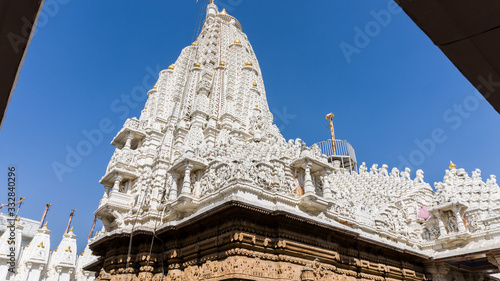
x=35 y=256
x=207 y=106
x=62 y=262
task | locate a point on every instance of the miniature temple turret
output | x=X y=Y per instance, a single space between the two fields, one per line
x=10 y=249
x=207 y=110
x=28 y=256
x=465 y=208
x=85 y=258
x=33 y=262
x=62 y=262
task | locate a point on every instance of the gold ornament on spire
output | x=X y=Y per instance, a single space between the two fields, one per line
x=222 y=63
x=194 y=43
x=248 y=63
x=171 y=67
x=237 y=41
x=254 y=84
x=452 y=166
x=223 y=12
x=197 y=64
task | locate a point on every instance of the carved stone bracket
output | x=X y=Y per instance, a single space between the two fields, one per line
x=494 y=259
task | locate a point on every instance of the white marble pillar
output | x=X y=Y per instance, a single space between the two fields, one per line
x=460 y=223
x=105 y=196
x=128 y=143
x=308 y=184
x=173 y=189
x=327 y=189
x=442 y=229
x=118 y=179
x=186 y=187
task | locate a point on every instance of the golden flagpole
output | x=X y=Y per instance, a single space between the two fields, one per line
x=329 y=117
x=44 y=214
x=70 y=219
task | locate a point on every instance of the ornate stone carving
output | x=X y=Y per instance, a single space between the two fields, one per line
x=206 y=137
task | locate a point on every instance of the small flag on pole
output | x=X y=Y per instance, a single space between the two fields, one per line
x=424 y=212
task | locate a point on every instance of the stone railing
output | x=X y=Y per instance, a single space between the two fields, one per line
x=135 y=125
x=123 y=159
x=340 y=150
x=132 y=124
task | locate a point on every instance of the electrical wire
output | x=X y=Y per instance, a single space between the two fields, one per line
x=152 y=242
x=133 y=226
x=199 y=19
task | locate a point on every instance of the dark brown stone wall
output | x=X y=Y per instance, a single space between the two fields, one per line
x=240 y=242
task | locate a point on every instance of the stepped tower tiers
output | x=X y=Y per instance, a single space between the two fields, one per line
x=204 y=187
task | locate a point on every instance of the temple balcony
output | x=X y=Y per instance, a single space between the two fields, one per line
x=133 y=124
x=124 y=159
x=341 y=151
x=130 y=136
x=117 y=197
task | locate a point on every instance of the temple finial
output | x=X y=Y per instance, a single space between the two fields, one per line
x=211 y=9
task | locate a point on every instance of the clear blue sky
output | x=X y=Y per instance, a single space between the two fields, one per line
x=397 y=90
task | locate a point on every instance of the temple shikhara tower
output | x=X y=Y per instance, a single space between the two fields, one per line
x=203 y=186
